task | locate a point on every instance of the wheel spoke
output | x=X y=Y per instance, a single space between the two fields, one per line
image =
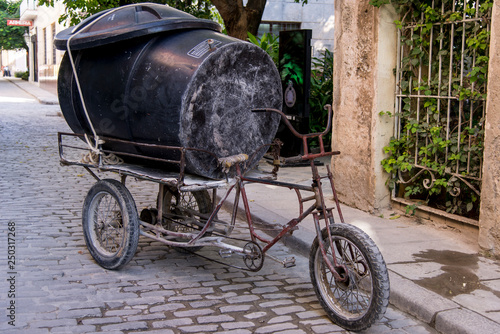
x=361 y=295
x=107 y=222
x=180 y=210
x=110 y=224
x=348 y=297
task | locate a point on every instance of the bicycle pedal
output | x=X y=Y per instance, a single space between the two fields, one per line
x=295 y=228
x=225 y=253
x=289 y=262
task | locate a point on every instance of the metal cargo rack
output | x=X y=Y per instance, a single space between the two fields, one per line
x=111 y=161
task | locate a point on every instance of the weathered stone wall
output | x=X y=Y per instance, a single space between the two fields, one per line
x=385 y=83
x=489 y=221
x=363 y=86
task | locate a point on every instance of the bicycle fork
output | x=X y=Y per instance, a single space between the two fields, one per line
x=327 y=216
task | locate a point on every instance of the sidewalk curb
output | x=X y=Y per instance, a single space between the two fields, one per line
x=442 y=314
x=42 y=96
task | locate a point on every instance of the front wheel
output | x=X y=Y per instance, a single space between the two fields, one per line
x=110 y=224
x=361 y=298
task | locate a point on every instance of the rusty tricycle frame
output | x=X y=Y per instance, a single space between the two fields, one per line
x=347 y=270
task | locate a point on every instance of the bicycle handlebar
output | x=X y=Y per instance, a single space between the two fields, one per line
x=305 y=137
x=292 y=129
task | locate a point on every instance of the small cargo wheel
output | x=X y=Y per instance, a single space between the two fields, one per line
x=110 y=224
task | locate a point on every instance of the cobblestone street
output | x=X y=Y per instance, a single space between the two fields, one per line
x=60 y=289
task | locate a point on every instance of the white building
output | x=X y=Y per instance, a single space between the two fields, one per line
x=317 y=15
x=16 y=60
x=44 y=59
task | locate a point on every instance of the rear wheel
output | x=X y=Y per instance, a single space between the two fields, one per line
x=181 y=211
x=110 y=224
x=361 y=298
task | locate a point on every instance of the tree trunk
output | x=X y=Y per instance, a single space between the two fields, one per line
x=241 y=19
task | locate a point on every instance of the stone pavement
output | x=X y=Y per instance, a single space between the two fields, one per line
x=59 y=288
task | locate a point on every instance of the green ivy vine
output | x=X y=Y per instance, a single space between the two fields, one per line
x=437 y=156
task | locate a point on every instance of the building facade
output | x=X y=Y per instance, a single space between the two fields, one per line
x=44 y=59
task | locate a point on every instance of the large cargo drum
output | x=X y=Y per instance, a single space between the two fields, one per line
x=152 y=74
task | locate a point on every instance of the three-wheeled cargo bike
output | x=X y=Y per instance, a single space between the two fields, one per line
x=159 y=95
x=347 y=270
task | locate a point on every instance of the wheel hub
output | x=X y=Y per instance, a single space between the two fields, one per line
x=347 y=278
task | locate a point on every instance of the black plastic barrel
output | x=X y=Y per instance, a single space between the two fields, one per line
x=152 y=74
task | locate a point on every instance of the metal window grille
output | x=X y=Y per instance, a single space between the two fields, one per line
x=275 y=27
x=54 y=60
x=45 y=46
x=440 y=104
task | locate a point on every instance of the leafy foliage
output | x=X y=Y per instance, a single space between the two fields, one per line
x=78 y=10
x=321 y=93
x=23 y=75
x=269 y=43
x=11 y=37
x=442 y=94
x=236 y=17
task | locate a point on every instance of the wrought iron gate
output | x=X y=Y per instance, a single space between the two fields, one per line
x=441 y=80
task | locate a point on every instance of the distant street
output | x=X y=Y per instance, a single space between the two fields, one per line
x=10 y=93
x=49 y=283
